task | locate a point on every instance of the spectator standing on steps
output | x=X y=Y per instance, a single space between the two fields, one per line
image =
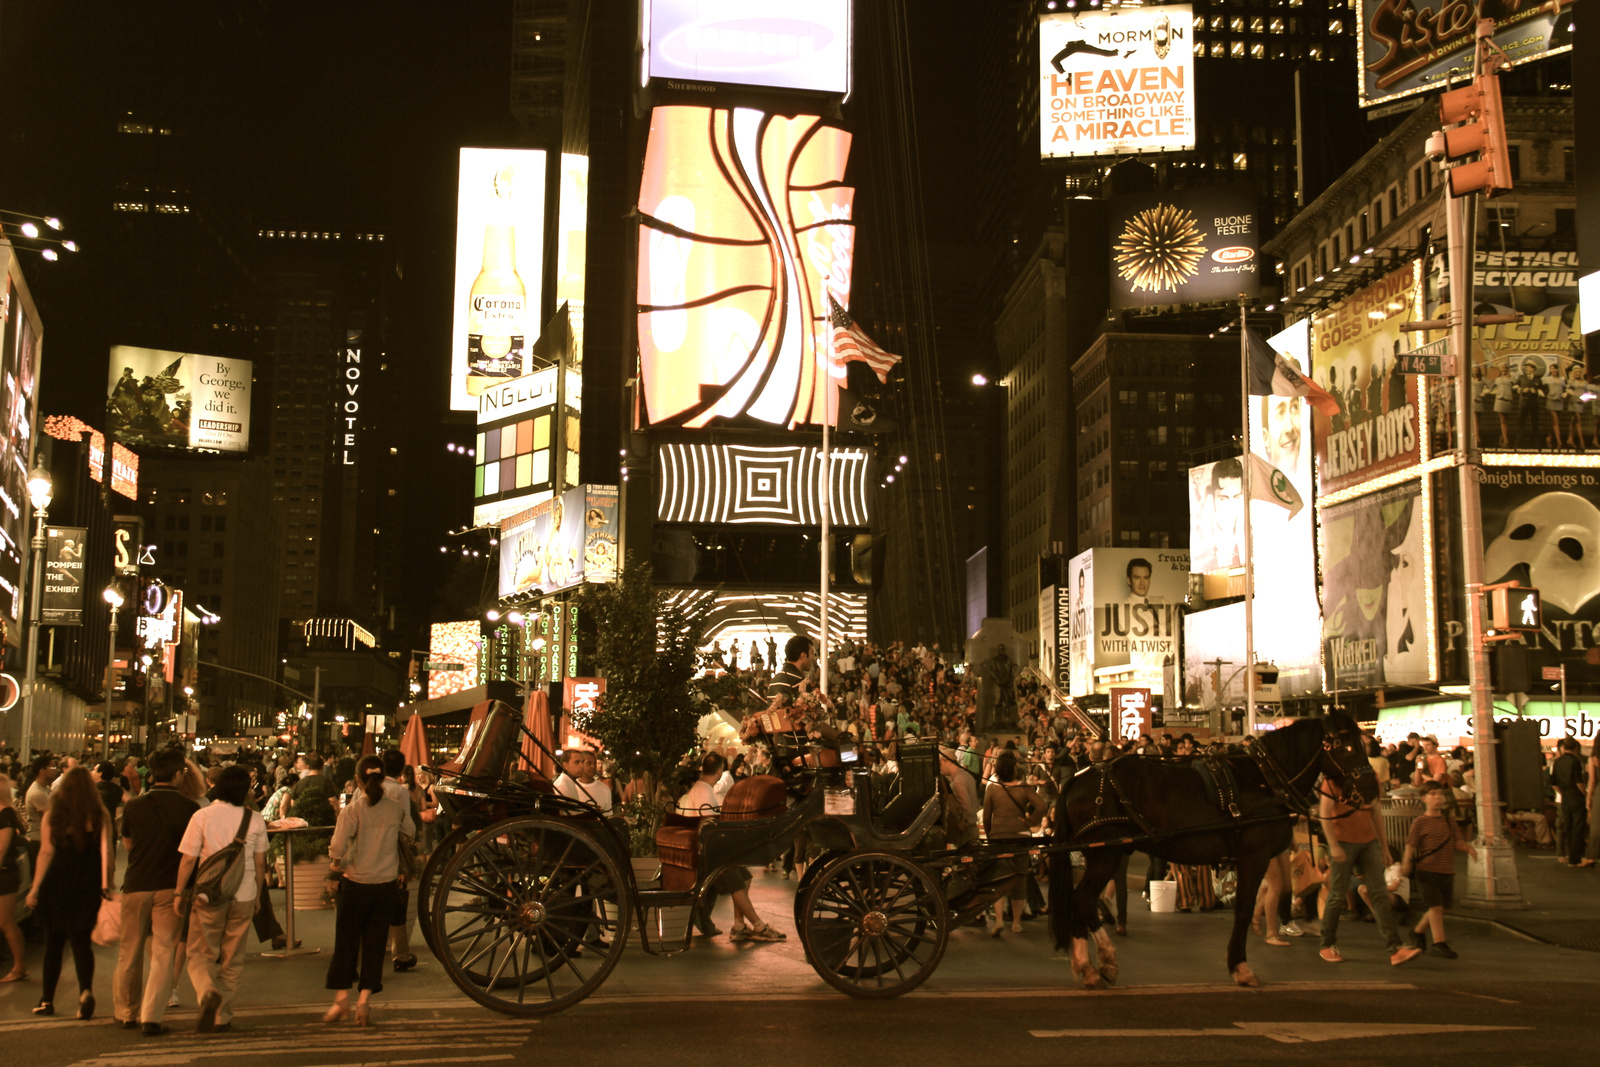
x=1430 y=853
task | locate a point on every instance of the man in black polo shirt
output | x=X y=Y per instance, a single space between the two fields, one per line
x=152 y=826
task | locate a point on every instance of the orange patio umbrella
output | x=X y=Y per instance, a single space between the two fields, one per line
x=538 y=721
x=414 y=743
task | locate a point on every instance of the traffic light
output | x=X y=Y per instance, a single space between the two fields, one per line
x=1478 y=106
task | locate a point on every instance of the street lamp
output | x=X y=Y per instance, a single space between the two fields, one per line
x=39 y=495
x=113 y=597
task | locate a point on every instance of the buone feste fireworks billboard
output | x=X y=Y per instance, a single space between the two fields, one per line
x=1184 y=247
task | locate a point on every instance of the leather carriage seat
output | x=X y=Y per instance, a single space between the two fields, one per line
x=760 y=796
x=678 y=847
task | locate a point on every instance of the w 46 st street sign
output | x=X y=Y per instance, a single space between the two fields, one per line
x=1429 y=359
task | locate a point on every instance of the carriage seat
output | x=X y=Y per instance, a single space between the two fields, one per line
x=678 y=848
x=760 y=796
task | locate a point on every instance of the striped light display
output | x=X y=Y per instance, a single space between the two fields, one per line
x=774 y=486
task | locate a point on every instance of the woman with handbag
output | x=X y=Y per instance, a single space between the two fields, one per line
x=12 y=849
x=72 y=878
x=365 y=870
x=1011 y=812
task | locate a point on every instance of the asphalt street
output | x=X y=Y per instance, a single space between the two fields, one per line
x=1005 y=1000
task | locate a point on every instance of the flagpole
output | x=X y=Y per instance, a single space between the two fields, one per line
x=827 y=482
x=1249 y=553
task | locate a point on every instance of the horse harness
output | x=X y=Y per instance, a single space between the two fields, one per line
x=1214 y=772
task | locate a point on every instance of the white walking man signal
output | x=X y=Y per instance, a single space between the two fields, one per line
x=1529 y=607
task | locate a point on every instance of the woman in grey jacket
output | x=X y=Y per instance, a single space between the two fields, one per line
x=366 y=850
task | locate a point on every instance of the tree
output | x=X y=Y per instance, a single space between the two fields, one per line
x=646 y=649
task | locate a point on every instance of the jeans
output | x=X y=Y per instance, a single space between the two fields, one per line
x=1571 y=828
x=1367 y=859
x=216 y=952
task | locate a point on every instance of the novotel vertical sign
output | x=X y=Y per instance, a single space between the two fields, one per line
x=350 y=400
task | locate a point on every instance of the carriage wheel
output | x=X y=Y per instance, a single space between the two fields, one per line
x=531 y=916
x=808 y=878
x=428 y=881
x=875 y=924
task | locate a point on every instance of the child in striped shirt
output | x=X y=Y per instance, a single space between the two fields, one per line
x=1430 y=851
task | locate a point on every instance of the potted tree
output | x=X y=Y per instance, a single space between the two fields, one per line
x=647 y=651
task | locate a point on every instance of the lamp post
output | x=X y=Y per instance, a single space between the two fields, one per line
x=113 y=597
x=39 y=495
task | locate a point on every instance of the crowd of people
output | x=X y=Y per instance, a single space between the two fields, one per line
x=194 y=830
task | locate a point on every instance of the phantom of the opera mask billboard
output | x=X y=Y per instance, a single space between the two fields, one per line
x=742 y=216
x=1126 y=610
x=1354 y=346
x=1116 y=82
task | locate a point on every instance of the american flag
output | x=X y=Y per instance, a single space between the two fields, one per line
x=850 y=344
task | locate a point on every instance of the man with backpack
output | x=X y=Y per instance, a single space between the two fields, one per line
x=152 y=826
x=225 y=849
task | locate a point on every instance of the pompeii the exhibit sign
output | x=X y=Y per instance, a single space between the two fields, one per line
x=1116 y=82
x=1185 y=246
x=1406 y=47
x=61 y=603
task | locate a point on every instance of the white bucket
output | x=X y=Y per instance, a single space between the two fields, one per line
x=1164 y=897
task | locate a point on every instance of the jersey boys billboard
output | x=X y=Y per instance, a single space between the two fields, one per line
x=742 y=214
x=1113 y=83
x=1353 y=349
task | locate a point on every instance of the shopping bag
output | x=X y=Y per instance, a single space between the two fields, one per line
x=108 y=927
x=1399 y=885
x=1303 y=872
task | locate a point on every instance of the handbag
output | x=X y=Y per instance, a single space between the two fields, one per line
x=108 y=925
x=219 y=875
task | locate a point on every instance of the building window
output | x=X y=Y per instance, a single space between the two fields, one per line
x=1155 y=435
x=1258 y=51
x=1236 y=50
x=1128 y=468
x=1127 y=397
x=1158 y=470
x=1241 y=161
x=1236 y=24
x=1182 y=401
x=1156 y=400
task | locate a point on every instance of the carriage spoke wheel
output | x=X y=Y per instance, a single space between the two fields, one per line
x=530 y=916
x=874 y=924
x=428 y=881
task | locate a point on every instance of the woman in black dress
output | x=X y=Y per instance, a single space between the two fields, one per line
x=12 y=848
x=75 y=864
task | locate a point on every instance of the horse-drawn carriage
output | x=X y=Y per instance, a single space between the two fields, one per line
x=529 y=900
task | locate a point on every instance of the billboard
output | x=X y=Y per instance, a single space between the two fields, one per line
x=1186 y=246
x=742 y=214
x=1405 y=49
x=62 y=600
x=519 y=444
x=1354 y=346
x=572 y=245
x=1289 y=641
x=775 y=44
x=1540 y=526
x=1132 y=714
x=1126 y=611
x=1114 y=83
x=19 y=377
x=454 y=642
x=1216 y=515
x=499 y=269
x=765 y=485
x=560 y=543
x=1374 y=593
x=167 y=399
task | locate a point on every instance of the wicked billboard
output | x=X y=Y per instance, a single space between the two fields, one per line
x=1374 y=597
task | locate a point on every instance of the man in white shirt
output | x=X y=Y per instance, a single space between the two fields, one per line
x=579 y=780
x=216 y=931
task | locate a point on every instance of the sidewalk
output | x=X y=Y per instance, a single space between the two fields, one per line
x=1563 y=900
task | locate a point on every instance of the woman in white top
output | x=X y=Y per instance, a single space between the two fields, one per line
x=366 y=849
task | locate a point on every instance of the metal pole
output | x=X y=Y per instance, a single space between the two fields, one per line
x=316 y=703
x=111 y=682
x=1249 y=553
x=1492 y=877
x=31 y=677
x=827 y=484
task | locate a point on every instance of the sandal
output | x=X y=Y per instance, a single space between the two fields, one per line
x=15 y=976
x=335 y=1013
x=739 y=933
x=1277 y=942
x=45 y=1008
x=363 y=1014
x=765 y=932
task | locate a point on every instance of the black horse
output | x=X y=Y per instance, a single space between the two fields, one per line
x=1194 y=811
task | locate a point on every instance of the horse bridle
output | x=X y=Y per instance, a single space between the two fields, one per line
x=1283 y=783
